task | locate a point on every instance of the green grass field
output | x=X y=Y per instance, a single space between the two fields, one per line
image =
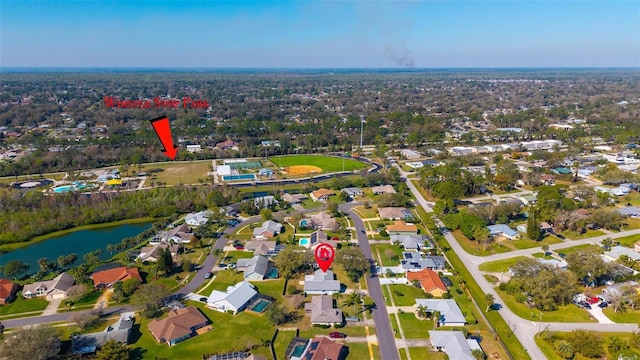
x=565 y=313
x=501 y=265
x=326 y=163
x=179 y=172
x=22 y=305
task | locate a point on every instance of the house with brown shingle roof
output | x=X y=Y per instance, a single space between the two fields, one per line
x=106 y=278
x=322 y=194
x=7 y=291
x=429 y=281
x=400 y=227
x=179 y=326
x=322 y=348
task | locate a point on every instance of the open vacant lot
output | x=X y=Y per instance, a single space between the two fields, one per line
x=178 y=172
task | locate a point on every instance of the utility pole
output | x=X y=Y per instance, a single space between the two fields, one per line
x=361 y=129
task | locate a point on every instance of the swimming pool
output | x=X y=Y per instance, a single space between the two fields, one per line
x=304 y=222
x=64 y=188
x=298 y=350
x=304 y=242
x=260 y=305
x=238 y=177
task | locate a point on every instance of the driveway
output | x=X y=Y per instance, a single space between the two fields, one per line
x=597 y=313
x=52 y=308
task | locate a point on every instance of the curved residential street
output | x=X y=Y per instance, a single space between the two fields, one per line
x=523 y=329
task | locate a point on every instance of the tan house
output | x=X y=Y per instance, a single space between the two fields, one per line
x=400 y=227
x=322 y=194
x=51 y=289
x=429 y=281
x=179 y=326
x=152 y=253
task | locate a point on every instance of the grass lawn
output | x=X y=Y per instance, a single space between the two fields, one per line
x=353 y=331
x=224 y=279
x=569 y=250
x=243 y=233
x=628 y=316
x=383 y=249
x=271 y=288
x=233 y=256
x=628 y=241
x=548 y=346
x=87 y=299
x=501 y=265
x=341 y=275
x=575 y=236
x=527 y=244
x=364 y=213
x=424 y=353
x=180 y=172
x=359 y=351
x=282 y=341
x=405 y=295
x=566 y=313
x=230 y=333
x=413 y=327
x=326 y=163
x=22 y=305
x=541 y=256
x=472 y=247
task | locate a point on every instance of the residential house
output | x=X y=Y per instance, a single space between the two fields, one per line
x=50 y=289
x=275 y=143
x=630 y=211
x=394 y=213
x=152 y=253
x=263 y=247
x=454 y=344
x=255 y=268
x=235 y=299
x=8 y=291
x=353 y=191
x=529 y=199
x=323 y=348
x=106 y=278
x=179 y=234
x=323 y=221
x=322 y=194
x=615 y=291
x=319 y=237
x=555 y=263
x=450 y=314
x=503 y=230
x=265 y=201
x=118 y=331
x=294 y=198
x=413 y=261
x=198 y=219
x=547 y=179
x=228 y=145
x=617 y=251
x=267 y=230
x=431 y=162
x=321 y=283
x=383 y=189
x=400 y=227
x=410 y=154
x=412 y=242
x=323 y=312
x=180 y=325
x=194 y=148
x=429 y=281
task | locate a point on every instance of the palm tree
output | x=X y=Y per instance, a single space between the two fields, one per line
x=110 y=249
x=421 y=312
x=354 y=299
x=435 y=316
x=489 y=299
x=565 y=349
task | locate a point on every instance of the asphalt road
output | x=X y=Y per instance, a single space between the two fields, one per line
x=384 y=332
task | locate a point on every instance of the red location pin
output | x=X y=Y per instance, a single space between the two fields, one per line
x=324 y=256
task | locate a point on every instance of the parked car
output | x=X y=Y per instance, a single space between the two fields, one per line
x=203 y=299
x=562 y=255
x=603 y=305
x=239 y=247
x=222 y=265
x=337 y=335
x=207 y=275
x=362 y=232
x=586 y=305
x=560 y=236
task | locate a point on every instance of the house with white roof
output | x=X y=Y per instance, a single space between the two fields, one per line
x=255 y=268
x=412 y=242
x=198 y=219
x=503 y=230
x=454 y=344
x=235 y=299
x=321 y=283
x=450 y=313
x=617 y=251
x=267 y=230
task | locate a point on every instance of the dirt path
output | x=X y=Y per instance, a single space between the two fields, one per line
x=103 y=300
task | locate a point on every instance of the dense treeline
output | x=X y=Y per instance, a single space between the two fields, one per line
x=25 y=215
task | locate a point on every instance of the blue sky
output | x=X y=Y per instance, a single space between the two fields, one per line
x=317 y=34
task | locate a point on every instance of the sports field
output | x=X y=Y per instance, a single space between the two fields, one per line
x=326 y=163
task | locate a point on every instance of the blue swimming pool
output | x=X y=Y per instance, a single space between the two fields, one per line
x=304 y=222
x=238 y=177
x=64 y=188
x=298 y=350
x=260 y=306
x=304 y=242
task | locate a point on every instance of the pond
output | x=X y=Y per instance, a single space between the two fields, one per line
x=80 y=242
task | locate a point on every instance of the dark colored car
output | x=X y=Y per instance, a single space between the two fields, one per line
x=203 y=299
x=362 y=232
x=586 y=305
x=603 y=305
x=562 y=255
x=561 y=236
x=239 y=247
x=337 y=335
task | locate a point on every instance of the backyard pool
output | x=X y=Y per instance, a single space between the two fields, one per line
x=304 y=242
x=298 y=350
x=63 y=189
x=260 y=305
x=304 y=223
x=238 y=177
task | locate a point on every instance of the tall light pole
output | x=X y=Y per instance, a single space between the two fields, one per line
x=361 y=129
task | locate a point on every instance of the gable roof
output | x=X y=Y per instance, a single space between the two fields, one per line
x=322 y=310
x=409 y=241
x=383 y=189
x=502 y=229
x=178 y=324
x=110 y=276
x=256 y=265
x=454 y=344
x=61 y=282
x=237 y=295
x=321 y=281
x=413 y=261
x=322 y=192
x=394 y=212
x=448 y=308
x=7 y=288
x=429 y=280
x=401 y=226
x=322 y=348
x=269 y=228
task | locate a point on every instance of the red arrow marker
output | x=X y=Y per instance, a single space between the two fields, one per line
x=324 y=256
x=163 y=130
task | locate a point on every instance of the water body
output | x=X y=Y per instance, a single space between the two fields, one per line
x=79 y=242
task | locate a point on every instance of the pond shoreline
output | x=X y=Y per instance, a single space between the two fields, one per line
x=7 y=248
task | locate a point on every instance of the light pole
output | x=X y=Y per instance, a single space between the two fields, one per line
x=361 y=129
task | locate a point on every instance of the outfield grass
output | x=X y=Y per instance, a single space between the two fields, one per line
x=501 y=265
x=179 y=172
x=22 y=305
x=565 y=313
x=628 y=316
x=230 y=333
x=326 y=163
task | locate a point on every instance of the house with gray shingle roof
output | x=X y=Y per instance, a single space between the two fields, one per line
x=454 y=344
x=322 y=311
x=412 y=242
x=321 y=283
x=267 y=230
x=255 y=268
x=235 y=299
x=450 y=314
